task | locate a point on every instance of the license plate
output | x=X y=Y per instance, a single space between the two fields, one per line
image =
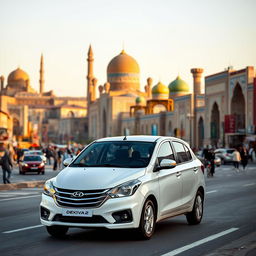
x=34 y=168
x=77 y=212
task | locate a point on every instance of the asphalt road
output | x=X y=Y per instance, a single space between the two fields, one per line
x=229 y=215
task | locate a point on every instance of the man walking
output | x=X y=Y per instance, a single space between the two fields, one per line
x=6 y=164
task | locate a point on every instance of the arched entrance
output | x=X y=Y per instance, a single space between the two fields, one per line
x=16 y=127
x=238 y=108
x=238 y=111
x=200 y=132
x=215 y=125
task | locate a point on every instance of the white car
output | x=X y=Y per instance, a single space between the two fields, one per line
x=37 y=152
x=125 y=182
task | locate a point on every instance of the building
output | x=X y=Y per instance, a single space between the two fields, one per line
x=220 y=112
x=40 y=117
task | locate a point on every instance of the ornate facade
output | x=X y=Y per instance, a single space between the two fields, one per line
x=40 y=117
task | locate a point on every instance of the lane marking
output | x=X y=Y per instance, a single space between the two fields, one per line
x=212 y=191
x=250 y=184
x=22 y=229
x=16 y=198
x=199 y=242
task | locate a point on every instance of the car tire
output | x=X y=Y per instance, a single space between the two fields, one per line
x=195 y=217
x=42 y=172
x=57 y=231
x=147 y=221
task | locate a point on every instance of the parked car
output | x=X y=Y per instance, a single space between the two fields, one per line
x=225 y=154
x=125 y=182
x=37 y=152
x=199 y=155
x=31 y=163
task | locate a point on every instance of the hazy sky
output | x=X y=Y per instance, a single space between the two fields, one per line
x=166 y=37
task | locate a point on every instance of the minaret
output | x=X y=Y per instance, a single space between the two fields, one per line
x=197 y=90
x=89 y=75
x=41 y=80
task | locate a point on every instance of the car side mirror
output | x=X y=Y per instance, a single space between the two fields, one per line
x=166 y=164
x=67 y=161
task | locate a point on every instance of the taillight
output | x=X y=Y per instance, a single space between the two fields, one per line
x=202 y=169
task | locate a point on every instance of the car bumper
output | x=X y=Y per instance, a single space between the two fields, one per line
x=105 y=212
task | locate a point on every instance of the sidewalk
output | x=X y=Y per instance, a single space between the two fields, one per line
x=27 y=184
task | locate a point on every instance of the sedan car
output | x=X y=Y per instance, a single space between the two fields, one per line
x=225 y=154
x=36 y=152
x=123 y=183
x=31 y=163
x=199 y=155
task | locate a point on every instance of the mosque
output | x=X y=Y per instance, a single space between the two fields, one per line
x=39 y=117
x=221 y=112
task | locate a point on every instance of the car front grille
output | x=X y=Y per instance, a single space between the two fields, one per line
x=94 y=219
x=89 y=199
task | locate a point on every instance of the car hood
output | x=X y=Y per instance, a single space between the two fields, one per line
x=95 y=178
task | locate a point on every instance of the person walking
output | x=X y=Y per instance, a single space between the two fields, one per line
x=6 y=164
x=236 y=159
x=244 y=157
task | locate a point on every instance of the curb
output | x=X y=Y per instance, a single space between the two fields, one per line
x=29 y=184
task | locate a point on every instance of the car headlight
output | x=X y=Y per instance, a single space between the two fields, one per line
x=24 y=164
x=49 y=189
x=125 y=189
x=41 y=165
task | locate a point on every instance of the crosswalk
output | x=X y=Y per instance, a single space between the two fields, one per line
x=19 y=194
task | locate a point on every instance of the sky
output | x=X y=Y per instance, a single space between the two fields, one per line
x=166 y=37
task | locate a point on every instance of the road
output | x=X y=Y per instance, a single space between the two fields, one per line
x=230 y=211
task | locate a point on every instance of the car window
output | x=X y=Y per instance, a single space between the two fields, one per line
x=188 y=153
x=181 y=153
x=165 y=151
x=123 y=154
x=230 y=151
x=32 y=158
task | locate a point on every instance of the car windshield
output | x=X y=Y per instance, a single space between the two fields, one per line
x=35 y=152
x=32 y=158
x=123 y=154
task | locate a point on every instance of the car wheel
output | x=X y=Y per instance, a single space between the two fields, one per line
x=196 y=215
x=42 y=172
x=57 y=231
x=147 y=220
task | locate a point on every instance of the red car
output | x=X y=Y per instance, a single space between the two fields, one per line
x=31 y=163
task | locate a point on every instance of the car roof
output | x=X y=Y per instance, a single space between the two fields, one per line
x=145 y=138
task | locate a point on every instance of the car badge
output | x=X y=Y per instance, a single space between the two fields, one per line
x=78 y=194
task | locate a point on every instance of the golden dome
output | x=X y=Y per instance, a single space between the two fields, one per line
x=160 y=91
x=17 y=75
x=123 y=73
x=123 y=63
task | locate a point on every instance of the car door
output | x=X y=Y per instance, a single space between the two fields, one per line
x=170 y=185
x=188 y=171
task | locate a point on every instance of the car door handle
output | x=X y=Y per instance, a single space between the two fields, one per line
x=195 y=169
x=178 y=174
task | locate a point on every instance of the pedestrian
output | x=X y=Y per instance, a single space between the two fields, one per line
x=244 y=157
x=59 y=152
x=6 y=164
x=236 y=159
x=55 y=158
